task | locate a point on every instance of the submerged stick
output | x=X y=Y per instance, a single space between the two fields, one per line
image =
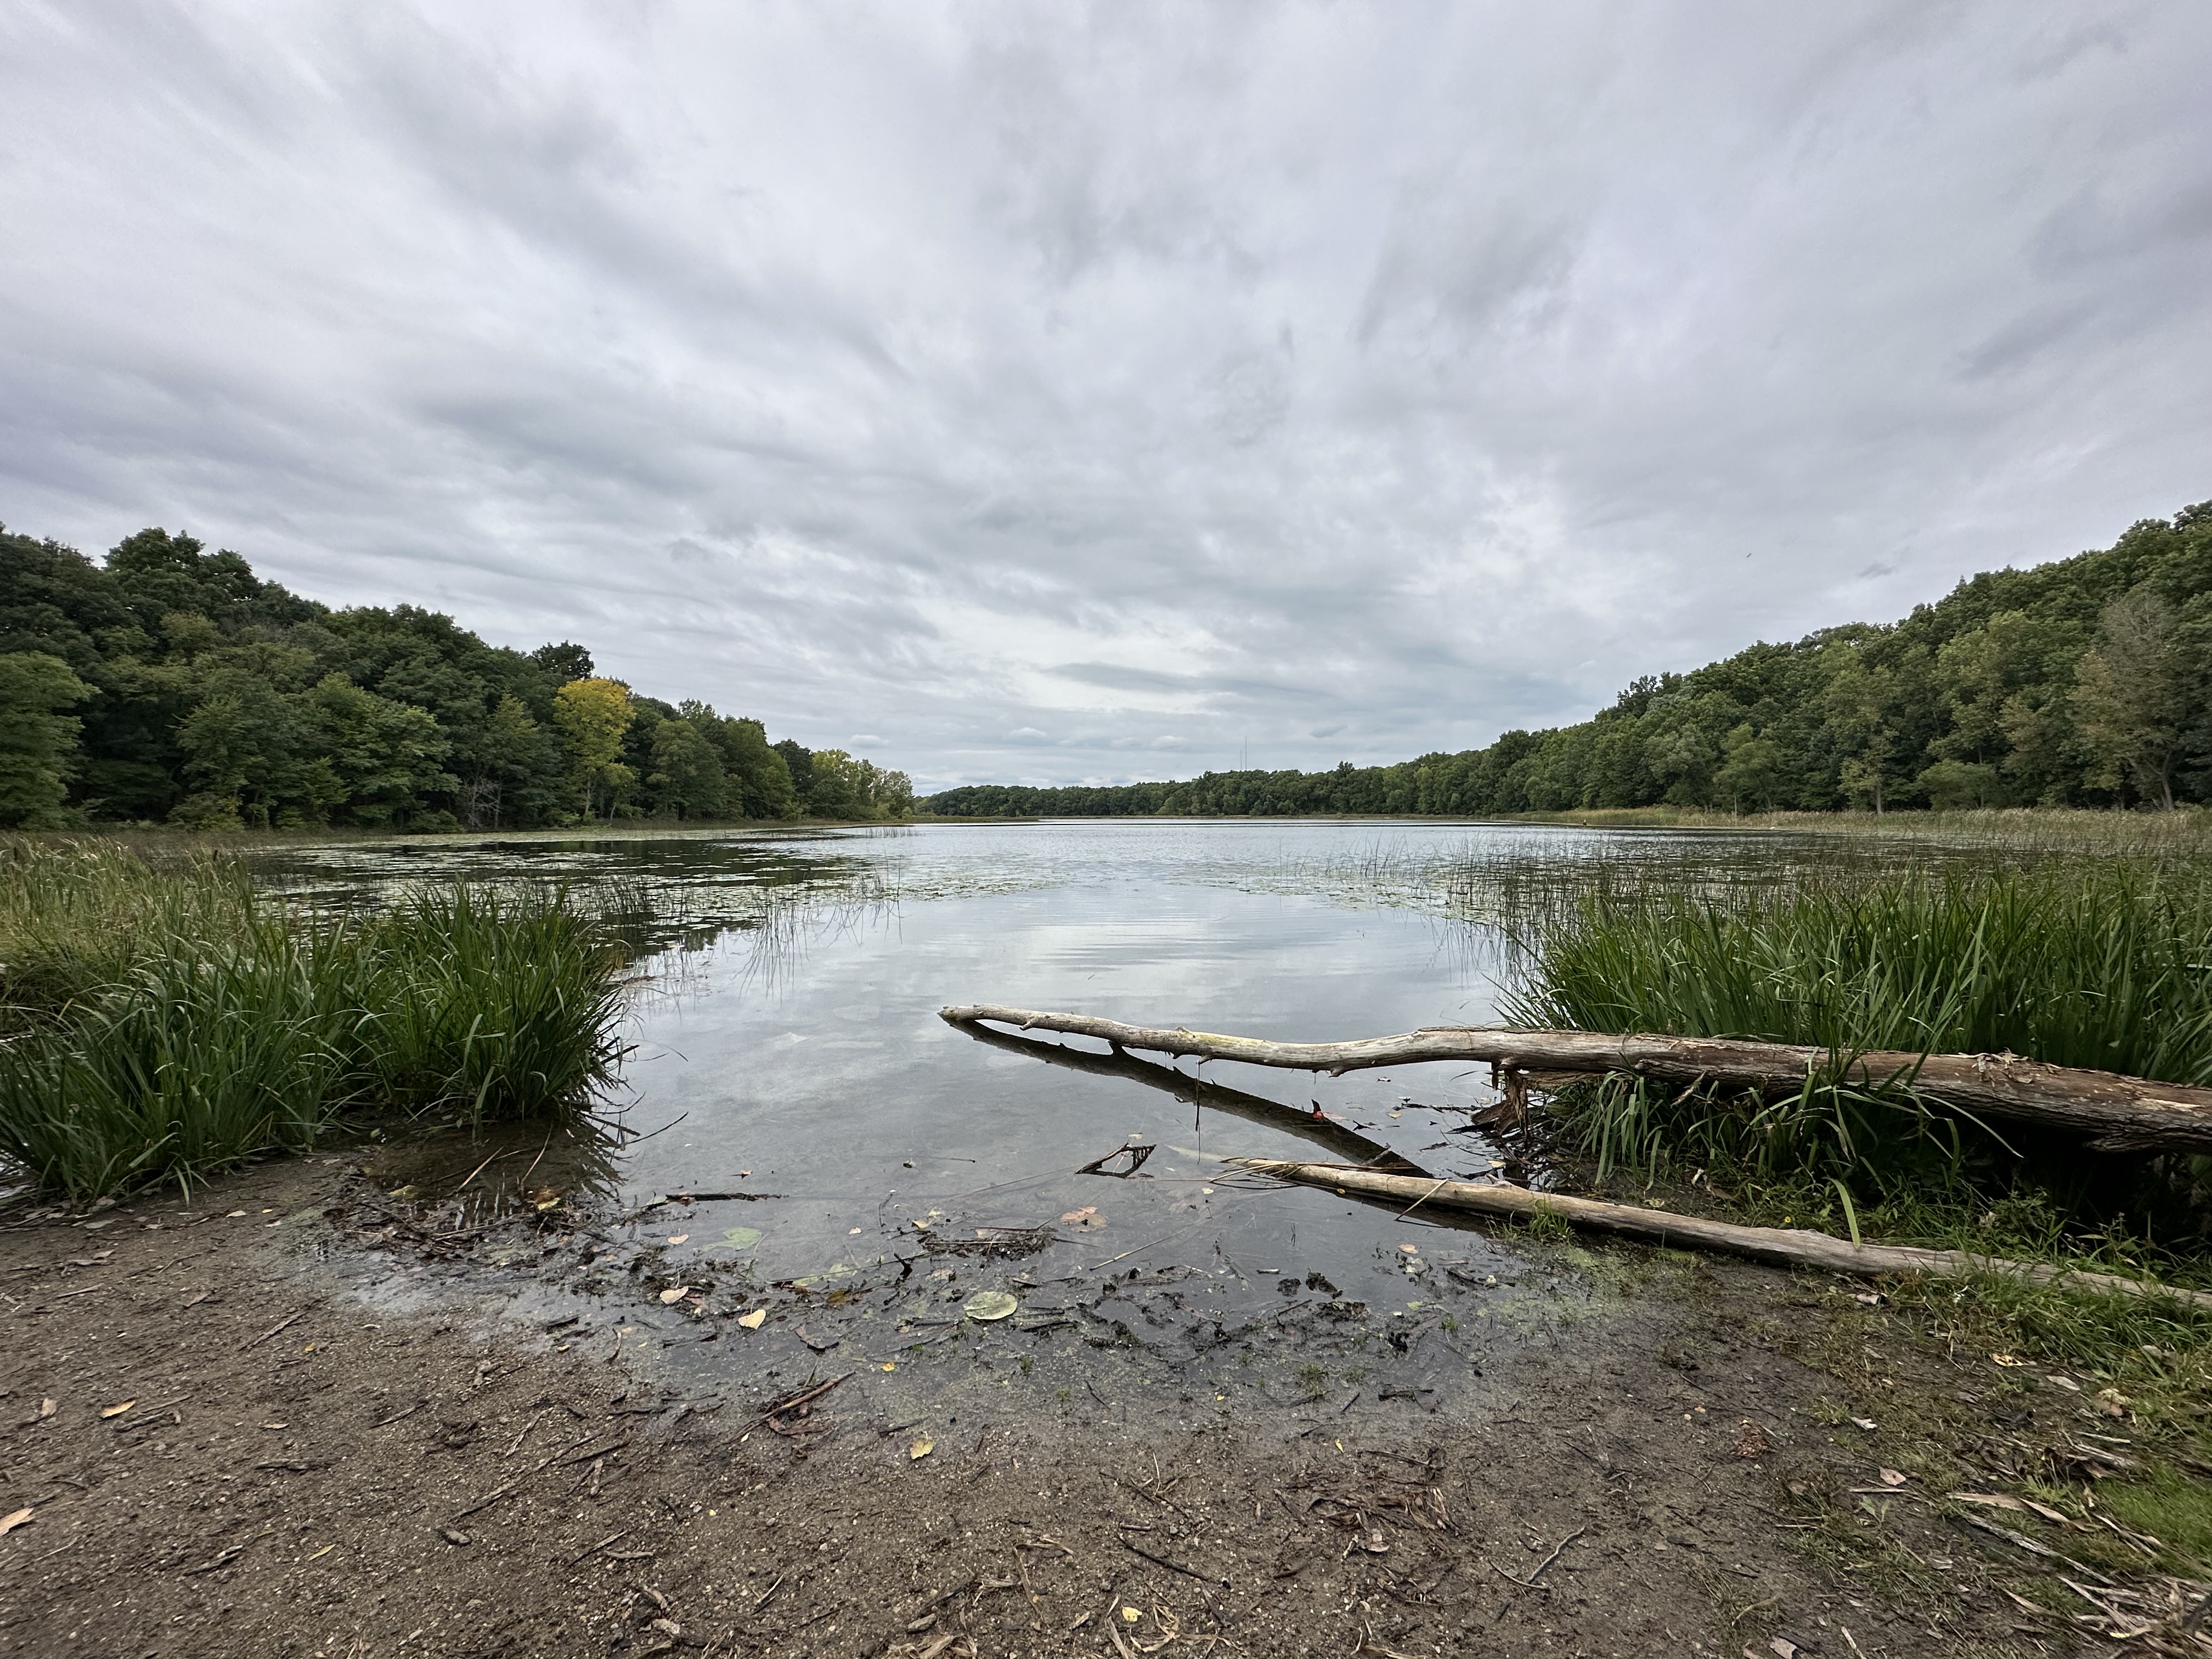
x=1781 y=1246
x=2120 y=1112
x=1326 y=1132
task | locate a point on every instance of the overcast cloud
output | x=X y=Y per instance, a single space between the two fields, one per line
x=1038 y=393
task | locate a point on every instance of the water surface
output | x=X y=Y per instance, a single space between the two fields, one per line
x=788 y=1045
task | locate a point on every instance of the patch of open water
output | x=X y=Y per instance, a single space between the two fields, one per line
x=789 y=1049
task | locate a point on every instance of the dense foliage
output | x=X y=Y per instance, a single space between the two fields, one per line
x=2087 y=681
x=172 y=685
x=163 y=1024
x=2094 y=961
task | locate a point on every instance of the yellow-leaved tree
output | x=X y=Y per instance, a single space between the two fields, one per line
x=592 y=715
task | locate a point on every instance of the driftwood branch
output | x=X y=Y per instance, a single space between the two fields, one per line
x=2118 y=1112
x=1325 y=1133
x=1783 y=1246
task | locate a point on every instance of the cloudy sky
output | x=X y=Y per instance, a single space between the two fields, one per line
x=1037 y=392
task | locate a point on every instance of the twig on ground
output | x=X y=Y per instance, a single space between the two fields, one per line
x=256 y=1342
x=1529 y=1582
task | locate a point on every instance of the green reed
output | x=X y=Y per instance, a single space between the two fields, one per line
x=166 y=1023
x=2104 y=964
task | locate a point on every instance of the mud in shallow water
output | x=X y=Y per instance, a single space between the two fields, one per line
x=345 y=1428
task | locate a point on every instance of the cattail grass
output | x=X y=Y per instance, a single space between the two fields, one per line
x=2105 y=964
x=485 y=1006
x=166 y=1024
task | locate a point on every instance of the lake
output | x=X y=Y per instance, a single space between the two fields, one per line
x=788 y=1051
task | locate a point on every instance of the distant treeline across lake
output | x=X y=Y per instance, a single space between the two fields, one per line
x=2084 y=682
x=171 y=684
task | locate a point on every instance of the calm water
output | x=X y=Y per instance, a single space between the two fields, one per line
x=788 y=1044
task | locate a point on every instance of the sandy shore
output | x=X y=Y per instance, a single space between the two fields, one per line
x=270 y=1421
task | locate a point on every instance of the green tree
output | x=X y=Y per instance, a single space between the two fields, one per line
x=1951 y=785
x=38 y=742
x=687 y=779
x=592 y=715
x=836 y=789
x=515 y=764
x=759 y=778
x=1681 y=749
x=2129 y=696
x=799 y=762
x=249 y=758
x=1858 y=704
x=564 y=662
x=385 y=755
x=1752 y=773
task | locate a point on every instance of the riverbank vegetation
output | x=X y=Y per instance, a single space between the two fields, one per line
x=158 y=1024
x=2083 y=683
x=170 y=684
x=2102 y=963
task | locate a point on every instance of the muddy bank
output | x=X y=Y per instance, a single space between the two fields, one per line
x=298 y=1417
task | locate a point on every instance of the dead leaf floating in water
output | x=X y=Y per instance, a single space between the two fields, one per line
x=755 y=1320
x=921 y=1449
x=676 y=1293
x=986 y=1305
x=677 y=1238
x=19 y=1518
x=116 y=1411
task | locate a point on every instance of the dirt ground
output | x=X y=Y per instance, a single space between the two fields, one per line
x=283 y=1418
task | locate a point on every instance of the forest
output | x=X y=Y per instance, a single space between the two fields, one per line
x=2087 y=681
x=171 y=685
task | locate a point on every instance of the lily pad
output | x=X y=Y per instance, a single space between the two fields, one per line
x=986 y=1305
x=736 y=1238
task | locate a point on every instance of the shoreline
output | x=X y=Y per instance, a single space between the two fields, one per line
x=340 y=1440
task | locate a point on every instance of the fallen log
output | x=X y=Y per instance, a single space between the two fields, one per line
x=1325 y=1133
x=1781 y=1246
x=2118 y=1112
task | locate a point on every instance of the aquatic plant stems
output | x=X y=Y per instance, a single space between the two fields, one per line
x=166 y=1023
x=1781 y=1246
x=2118 y=1112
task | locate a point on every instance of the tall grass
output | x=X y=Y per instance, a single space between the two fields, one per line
x=164 y=1025
x=2102 y=964
x=482 y=1006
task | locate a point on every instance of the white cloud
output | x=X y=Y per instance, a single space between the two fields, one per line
x=1333 y=381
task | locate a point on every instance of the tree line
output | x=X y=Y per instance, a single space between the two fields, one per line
x=2083 y=682
x=170 y=684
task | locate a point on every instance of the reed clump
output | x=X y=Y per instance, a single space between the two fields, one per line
x=2104 y=964
x=165 y=1023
